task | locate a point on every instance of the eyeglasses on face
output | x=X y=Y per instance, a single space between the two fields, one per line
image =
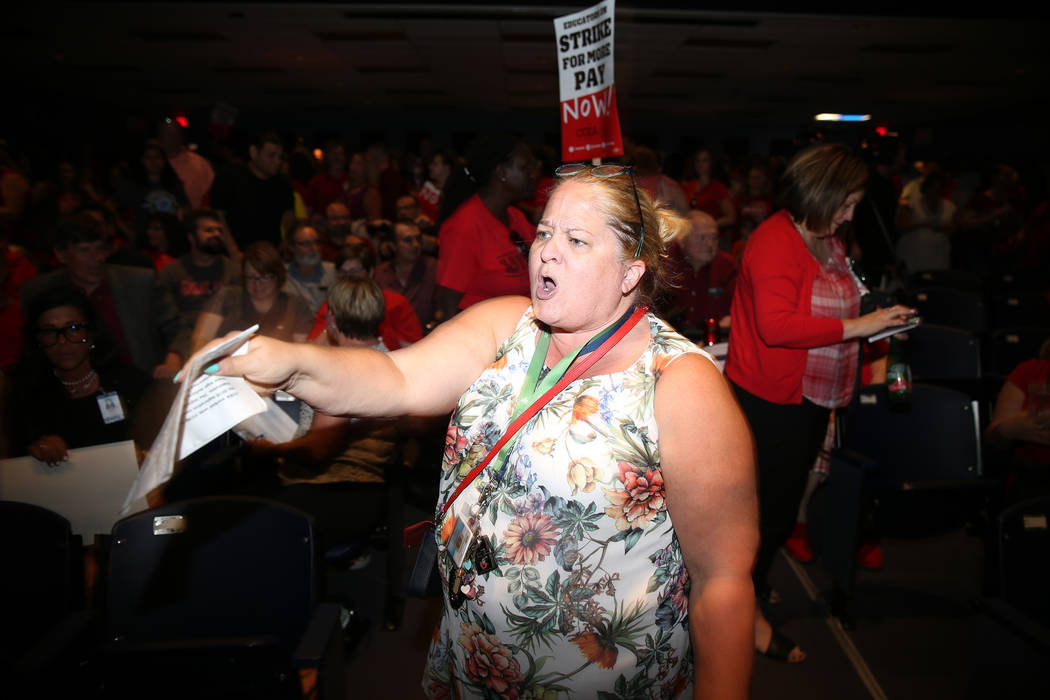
x=72 y=332
x=609 y=170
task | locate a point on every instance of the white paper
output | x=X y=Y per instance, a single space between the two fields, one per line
x=585 y=41
x=215 y=405
x=87 y=490
x=160 y=463
x=894 y=330
x=273 y=424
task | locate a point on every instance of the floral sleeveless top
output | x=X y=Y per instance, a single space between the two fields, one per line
x=589 y=597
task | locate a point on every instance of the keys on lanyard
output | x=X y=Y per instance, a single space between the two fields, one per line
x=471 y=552
x=480 y=560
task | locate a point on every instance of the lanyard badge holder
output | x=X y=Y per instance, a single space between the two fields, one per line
x=461 y=540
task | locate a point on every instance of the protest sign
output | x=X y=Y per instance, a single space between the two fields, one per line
x=590 y=125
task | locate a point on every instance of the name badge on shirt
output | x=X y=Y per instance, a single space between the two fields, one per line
x=111 y=407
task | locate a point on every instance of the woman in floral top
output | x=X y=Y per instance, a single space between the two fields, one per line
x=622 y=522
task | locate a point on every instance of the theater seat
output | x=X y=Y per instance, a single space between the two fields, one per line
x=217 y=596
x=956 y=279
x=1024 y=558
x=1008 y=347
x=947 y=306
x=41 y=585
x=936 y=444
x=937 y=352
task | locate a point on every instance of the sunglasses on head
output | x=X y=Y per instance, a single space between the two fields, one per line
x=609 y=170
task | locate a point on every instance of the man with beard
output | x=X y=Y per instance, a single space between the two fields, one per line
x=309 y=276
x=195 y=277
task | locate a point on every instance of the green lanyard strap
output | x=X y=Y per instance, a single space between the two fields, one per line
x=535 y=386
x=604 y=342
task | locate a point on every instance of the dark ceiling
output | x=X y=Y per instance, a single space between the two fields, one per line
x=750 y=64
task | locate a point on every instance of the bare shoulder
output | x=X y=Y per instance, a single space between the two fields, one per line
x=697 y=414
x=689 y=376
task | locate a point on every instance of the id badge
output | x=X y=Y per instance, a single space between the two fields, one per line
x=458 y=533
x=111 y=407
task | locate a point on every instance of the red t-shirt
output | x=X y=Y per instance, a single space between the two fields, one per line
x=19 y=269
x=1026 y=373
x=429 y=198
x=703 y=293
x=758 y=209
x=477 y=257
x=400 y=324
x=322 y=190
x=160 y=260
x=707 y=199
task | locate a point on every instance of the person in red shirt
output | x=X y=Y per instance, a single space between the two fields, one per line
x=15 y=268
x=327 y=186
x=705 y=277
x=790 y=361
x=1021 y=422
x=481 y=247
x=755 y=204
x=438 y=172
x=708 y=194
x=400 y=326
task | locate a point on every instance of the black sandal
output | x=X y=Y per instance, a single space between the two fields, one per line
x=780 y=648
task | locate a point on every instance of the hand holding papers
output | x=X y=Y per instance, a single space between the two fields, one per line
x=894 y=330
x=204 y=408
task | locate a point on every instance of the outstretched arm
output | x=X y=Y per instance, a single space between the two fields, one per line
x=426 y=378
x=707 y=459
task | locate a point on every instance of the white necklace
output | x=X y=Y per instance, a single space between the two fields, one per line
x=79 y=385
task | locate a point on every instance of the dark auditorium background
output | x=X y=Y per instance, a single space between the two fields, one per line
x=741 y=77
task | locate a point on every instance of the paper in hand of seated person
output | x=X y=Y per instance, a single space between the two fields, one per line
x=87 y=490
x=205 y=407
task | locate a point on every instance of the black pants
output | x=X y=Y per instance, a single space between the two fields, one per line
x=787 y=440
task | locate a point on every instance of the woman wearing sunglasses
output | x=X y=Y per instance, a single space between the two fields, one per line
x=70 y=390
x=607 y=547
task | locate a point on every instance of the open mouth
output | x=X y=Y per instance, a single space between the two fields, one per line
x=545 y=287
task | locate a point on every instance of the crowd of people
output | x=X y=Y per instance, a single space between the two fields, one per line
x=436 y=283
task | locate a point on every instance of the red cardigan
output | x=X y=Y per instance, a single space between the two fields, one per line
x=772 y=326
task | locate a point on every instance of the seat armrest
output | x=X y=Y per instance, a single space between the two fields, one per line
x=1025 y=627
x=324 y=624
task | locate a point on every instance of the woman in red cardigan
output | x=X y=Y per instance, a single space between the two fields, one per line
x=790 y=360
